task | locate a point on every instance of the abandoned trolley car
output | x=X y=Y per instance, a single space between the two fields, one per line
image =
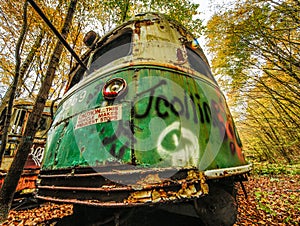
x=146 y=124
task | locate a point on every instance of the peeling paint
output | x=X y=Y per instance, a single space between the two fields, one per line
x=188 y=190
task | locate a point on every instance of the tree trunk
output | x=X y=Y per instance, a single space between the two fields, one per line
x=24 y=67
x=18 y=79
x=11 y=180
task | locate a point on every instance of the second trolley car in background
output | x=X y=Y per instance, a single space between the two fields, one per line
x=21 y=110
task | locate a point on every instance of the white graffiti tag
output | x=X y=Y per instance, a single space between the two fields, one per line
x=186 y=151
x=37 y=155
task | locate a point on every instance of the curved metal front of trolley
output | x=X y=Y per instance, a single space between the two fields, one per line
x=140 y=130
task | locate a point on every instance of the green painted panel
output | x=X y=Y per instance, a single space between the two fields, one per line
x=165 y=119
x=68 y=152
x=182 y=122
x=51 y=144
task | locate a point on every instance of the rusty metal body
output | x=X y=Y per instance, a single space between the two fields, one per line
x=146 y=124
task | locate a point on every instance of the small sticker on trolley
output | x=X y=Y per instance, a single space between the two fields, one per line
x=99 y=115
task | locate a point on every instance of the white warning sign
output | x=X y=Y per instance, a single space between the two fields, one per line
x=99 y=115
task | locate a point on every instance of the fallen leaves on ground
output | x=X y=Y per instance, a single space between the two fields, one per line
x=272 y=200
x=38 y=216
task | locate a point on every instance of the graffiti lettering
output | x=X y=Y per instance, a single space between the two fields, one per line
x=175 y=105
x=157 y=106
x=194 y=110
x=175 y=142
x=207 y=112
x=37 y=154
x=124 y=130
x=218 y=120
x=151 y=94
x=173 y=108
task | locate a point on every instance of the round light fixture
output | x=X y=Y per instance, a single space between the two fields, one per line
x=113 y=88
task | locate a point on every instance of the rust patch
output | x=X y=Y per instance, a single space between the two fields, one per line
x=150 y=179
x=139 y=24
x=179 y=55
x=143 y=187
x=137 y=29
x=193 y=186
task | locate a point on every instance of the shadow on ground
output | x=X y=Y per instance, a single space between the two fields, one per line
x=145 y=217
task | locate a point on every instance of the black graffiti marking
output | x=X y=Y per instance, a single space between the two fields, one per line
x=112 y=150
x=102 y=130
x=222 y=130
x=231 y=130
x=151 y=94
x=157 y=108
x=173 y=109
x=232 y=148
x=176 y=106
x=132 y=126
x=144 y=115
x=216 y=111
x=110 y=140
x=121 y=152
x=200 y=108
x=207 y=112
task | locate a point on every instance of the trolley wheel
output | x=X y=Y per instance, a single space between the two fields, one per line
x=217 y=208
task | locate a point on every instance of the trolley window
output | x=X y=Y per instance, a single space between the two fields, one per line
x=18 y=121
x=198 y=64
x=117 y=48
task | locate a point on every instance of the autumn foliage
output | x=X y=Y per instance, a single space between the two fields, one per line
x=255 y=48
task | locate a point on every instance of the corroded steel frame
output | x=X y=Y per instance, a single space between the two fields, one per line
x=143 y=186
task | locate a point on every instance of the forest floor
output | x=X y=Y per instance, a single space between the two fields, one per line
x=272 y=200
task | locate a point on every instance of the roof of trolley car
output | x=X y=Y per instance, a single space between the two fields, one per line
x=186 y=39
x=19 y=102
